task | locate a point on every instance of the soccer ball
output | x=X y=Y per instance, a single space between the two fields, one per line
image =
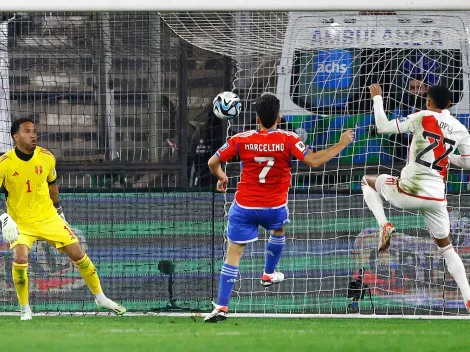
x=226 y=105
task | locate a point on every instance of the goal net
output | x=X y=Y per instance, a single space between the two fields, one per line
x=118 y=98
x=122 y=100
x=320 y=66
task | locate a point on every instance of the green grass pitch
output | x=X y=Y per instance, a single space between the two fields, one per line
x=98 y=333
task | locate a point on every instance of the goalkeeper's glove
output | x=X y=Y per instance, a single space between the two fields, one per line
x=60 y=211
x=9 y=228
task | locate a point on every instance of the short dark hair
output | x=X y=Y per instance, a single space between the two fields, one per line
x=15 y=126
x=267 y=109
x=440 y=96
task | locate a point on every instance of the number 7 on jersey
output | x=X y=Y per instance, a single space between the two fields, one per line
x=265 y=170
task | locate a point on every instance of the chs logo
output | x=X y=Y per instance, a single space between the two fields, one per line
x=332 y=69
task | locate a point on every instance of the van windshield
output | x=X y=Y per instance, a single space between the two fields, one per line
x=335 y=81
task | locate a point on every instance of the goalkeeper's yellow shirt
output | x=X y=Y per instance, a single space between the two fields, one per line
x=26 y=185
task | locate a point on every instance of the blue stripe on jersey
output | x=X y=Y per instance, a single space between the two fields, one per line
x=306 y=150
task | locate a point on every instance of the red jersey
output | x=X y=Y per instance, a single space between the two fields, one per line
x=265 y=165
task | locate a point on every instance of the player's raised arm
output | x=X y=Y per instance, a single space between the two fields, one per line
x=381 y=120
x=384 y=126
x=323 y=156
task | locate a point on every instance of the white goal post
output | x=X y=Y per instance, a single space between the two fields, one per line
x=235 y=5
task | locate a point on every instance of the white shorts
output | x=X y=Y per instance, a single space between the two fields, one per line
x=434 y=212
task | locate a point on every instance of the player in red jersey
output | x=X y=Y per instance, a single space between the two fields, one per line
x=261 y=197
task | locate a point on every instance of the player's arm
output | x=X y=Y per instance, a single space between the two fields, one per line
x=54 y=193
x=9 y=228
x=225 y=153
x=316 y=159
x=462 y=160
x=384 y=125
x=215 y=165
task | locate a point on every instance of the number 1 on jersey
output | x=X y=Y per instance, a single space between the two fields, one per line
x=28 y=183
x=265 y=170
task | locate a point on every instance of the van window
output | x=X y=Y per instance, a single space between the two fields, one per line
x=335 y=81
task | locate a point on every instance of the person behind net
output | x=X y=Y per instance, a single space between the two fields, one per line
x=421 y=185
x=261 y=197
x=34 y=212
x=412 y=99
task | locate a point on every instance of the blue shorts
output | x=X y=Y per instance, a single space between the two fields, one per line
x=243 y=223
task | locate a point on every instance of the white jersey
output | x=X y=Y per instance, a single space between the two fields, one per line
x=436 y=136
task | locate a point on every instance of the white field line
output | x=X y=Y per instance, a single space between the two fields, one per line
x=254 y=315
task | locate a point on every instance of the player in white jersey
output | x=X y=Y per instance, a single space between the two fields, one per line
x=421 y=185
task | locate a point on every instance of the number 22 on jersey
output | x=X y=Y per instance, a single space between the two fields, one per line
x=435 y=145
x=266 y=168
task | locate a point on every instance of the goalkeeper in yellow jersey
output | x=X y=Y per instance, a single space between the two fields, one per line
x=28 y=176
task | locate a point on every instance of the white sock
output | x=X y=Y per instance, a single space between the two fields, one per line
x=456 y=269
x=100 y=297
x=374 y=202
x=26 y=307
